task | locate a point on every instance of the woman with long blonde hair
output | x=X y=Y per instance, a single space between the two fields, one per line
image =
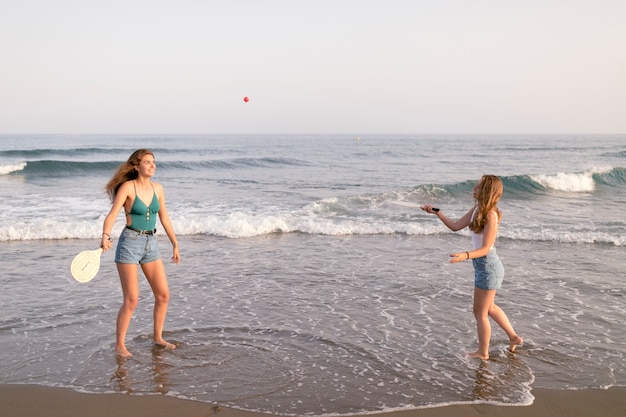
x=132 y=189
x=483 y=221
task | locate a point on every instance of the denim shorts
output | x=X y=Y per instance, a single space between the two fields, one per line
x=488 y=271
x=136 y=248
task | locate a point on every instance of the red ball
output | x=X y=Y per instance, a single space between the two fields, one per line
x=246 y=99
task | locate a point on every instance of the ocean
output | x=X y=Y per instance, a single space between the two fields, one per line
x=302 y=289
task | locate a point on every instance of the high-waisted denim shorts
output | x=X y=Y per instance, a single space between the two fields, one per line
x=136 y=248
x=488 y=271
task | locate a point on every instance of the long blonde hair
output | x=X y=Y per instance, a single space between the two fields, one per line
x=489 y=192
x=126 y=172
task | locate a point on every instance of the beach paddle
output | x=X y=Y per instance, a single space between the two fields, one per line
x=408 y=204
x=86 y=264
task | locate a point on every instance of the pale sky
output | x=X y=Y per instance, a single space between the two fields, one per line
x=340 y=66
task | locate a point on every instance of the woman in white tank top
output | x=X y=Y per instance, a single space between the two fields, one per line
x=483 y=221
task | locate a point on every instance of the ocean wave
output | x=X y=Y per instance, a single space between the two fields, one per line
x=583 y=182
x=119 y=152
x=233 y=163
x=63 y=167
x=56 y=168
x=571 y=182
x=10 y=168
x=318 y=219
x=514 y=185
x=47 y=153
x=528 y=185
x=614 y=177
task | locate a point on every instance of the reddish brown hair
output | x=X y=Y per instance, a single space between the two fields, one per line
x=489 y=192
x=126 y=172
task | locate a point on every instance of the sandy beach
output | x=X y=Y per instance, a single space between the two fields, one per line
x=34 y=401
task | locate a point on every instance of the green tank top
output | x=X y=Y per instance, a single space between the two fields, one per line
x=143 y=217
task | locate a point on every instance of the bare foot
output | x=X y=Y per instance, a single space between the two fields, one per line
x=478 y=355
x=123 y=353
x=514 y=342
x=167 y=345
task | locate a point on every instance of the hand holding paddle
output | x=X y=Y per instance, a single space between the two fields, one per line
x=429 y=209
x=106 y=242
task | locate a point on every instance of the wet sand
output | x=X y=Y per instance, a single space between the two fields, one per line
x=34 y=401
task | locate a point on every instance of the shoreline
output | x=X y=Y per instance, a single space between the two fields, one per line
x=34 y=400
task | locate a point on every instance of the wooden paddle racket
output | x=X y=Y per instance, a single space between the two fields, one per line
x=86 y=264
x=408 y=204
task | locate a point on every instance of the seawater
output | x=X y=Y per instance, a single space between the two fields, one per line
x=302 y=289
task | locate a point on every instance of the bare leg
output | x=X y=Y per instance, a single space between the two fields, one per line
x=499 y=316
x=483 y=300
x=130 y=291
x=155 y=274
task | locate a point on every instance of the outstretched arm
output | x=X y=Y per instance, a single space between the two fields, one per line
x=454 y=225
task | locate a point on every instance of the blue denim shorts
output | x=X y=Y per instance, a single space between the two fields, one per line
x=488 y=271
x=136 y=248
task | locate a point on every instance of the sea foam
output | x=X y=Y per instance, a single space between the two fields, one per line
x=9 y=168
x=571 y=182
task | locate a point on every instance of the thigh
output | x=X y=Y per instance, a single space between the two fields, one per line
x=128 y=279
x=483 y=299
x=155 y=274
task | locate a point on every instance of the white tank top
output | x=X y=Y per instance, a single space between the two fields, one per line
x=477 y=238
